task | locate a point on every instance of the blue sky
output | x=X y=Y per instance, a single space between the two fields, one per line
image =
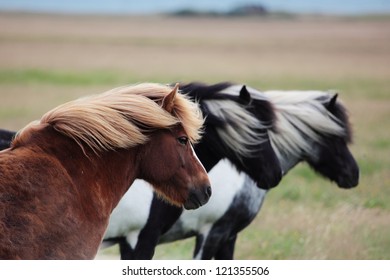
x=152 y=6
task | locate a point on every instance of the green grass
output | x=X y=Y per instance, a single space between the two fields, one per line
x=373 y=88
x=375 y=202
x=9 y=113
x=377 y=243
x=39 y=76
x=108 y=78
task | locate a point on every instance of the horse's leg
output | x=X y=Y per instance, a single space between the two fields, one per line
x=161 y=218
x=207 y=245
x=198 y=246
x=226 y=250
x=146 y=246
x=127 y=253
x=144 y=250
x=202 y=250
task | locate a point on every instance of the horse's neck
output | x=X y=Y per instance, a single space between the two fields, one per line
x=288 y=160
x=102 y=179
x=114 y=172
x=291 y=145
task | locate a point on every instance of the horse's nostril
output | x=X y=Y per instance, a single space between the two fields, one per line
x=208 y=191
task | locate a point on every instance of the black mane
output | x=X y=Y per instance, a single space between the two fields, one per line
x=201 y=92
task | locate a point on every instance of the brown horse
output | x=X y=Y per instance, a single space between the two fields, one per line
x=63 y=175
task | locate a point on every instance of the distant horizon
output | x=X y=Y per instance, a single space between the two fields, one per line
x=332 y=7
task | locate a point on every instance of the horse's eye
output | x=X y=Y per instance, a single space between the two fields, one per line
x=183 y=140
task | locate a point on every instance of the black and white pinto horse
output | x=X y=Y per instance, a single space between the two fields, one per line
x=312 y=126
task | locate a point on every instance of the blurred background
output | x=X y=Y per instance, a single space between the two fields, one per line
x=55 y=51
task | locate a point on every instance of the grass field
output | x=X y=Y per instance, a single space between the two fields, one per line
x=46 y=60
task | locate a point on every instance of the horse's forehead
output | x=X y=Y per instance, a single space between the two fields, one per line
x=177 y=129
x=338 y=142
x=330 y=147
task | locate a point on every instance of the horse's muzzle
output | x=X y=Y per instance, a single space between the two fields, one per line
x=197 y=198
x=348 y=183
x=349 y=178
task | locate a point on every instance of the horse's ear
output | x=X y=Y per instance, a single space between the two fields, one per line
x=332 y=102
x=245 y=95
x=169 y=100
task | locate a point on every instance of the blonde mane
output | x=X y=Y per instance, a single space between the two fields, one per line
x=121 y=118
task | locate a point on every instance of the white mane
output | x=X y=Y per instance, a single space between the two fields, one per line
x=241 y=129
x=301 y=119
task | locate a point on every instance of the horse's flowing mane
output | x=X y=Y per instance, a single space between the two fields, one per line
x=302 y=116
x=121 y=118
x=239 y=129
